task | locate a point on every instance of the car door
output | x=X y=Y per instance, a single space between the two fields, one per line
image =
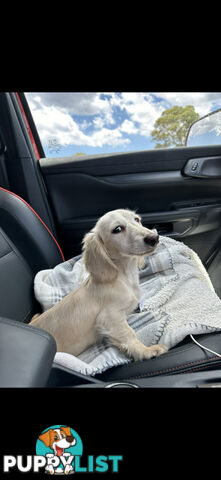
x=152 y=182
x=158 y=183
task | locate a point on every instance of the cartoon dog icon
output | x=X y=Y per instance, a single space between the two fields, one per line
x=58 y=439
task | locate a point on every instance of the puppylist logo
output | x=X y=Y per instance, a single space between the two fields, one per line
x=59 y=450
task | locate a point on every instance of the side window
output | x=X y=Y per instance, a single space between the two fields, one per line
x=73 y=123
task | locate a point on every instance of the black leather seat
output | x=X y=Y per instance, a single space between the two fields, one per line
x=27 y=246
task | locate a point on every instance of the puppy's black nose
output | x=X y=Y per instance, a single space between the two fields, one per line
x=151 y=240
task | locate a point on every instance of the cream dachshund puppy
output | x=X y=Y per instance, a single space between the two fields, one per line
x=99 y=307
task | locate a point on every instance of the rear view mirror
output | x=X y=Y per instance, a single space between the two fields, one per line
x=205 y=131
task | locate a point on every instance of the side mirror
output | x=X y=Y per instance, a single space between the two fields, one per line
x=205 y=131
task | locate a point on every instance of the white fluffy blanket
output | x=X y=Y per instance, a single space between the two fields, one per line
x=178 y=299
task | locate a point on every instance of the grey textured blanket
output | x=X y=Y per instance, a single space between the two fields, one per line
x=178 y=299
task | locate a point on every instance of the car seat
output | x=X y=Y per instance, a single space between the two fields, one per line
x=27 y=246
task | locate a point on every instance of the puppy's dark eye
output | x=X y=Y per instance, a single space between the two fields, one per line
x=137 y=219
x=118 y=229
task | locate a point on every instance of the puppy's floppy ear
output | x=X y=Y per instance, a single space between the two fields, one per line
x=46 y=437
x=96 y=259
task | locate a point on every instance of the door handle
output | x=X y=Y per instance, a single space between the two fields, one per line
x=205 y=167
x=175 y=223
x=181 y=227
x=174 y=229
x=184 y=221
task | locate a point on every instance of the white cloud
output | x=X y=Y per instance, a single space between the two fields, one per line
x=128 y=127
x=54 y=122
x=98 y=122
x=107 y=136
x=82 y=103
x=84 y=125
x=74 y=103
x=142 y=110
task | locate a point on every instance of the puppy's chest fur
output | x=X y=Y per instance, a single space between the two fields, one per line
x=129 y=287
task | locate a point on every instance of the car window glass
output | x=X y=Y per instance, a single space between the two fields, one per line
x=90 y=123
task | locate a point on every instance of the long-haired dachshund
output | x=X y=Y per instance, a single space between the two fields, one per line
x=112 y=252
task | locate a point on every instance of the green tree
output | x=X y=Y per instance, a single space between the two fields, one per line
x=171 y=127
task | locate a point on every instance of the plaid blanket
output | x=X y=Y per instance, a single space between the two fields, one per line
x=177 y=299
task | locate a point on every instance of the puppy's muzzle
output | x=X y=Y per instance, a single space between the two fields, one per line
x=151 y=240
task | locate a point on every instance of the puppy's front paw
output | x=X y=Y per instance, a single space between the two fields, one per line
x=155 y=351
x=160 y=349
x=68 y=469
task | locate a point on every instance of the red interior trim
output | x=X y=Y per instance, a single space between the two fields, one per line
x=28 y=127
x=39 y=218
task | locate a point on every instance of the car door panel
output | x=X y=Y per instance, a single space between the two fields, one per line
x=158 y=160
x=153 y=182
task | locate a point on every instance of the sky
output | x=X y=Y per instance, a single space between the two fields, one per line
x=94 y=122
